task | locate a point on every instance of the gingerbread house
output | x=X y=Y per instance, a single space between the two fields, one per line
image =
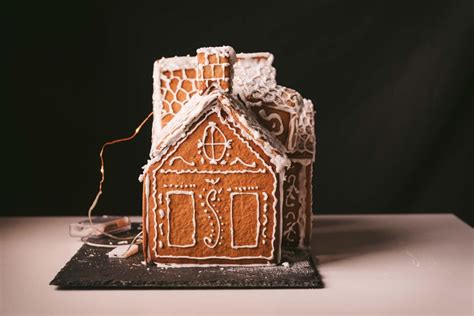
x=229 y=175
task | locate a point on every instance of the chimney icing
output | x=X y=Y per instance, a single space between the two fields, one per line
x=215 y=67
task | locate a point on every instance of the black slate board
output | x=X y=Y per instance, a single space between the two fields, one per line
x=90 y=268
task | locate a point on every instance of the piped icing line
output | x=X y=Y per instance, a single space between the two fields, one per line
x=211 y=171
x=160 y=198
x=218 y=257
x=265 y=210
x=155 y=206
x=292 y=191
x=238 y=160
x=189 y=163
x=162 y=233
x=206 y=265
x=212 y=181
x=147 y=211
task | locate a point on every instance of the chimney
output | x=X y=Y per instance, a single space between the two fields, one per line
x=215 y=67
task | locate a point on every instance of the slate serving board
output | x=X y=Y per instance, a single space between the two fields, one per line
x=90 y=268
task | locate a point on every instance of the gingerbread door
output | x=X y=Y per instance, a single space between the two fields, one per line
x=212 y=199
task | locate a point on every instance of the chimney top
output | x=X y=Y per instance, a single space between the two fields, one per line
x=215 y=68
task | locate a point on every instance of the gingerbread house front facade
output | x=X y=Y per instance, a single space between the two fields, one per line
x=225 y=169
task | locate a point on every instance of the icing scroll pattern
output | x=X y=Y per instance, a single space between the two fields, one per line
x=211 y=241
x=274 y=120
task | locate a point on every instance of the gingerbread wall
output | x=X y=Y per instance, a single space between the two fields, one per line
x=212 y=199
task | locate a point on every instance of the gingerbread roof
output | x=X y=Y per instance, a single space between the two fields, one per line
x=255 y=83
x=178 y=79
x=237 y=114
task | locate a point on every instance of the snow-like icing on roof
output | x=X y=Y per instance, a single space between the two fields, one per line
x=255 y=81
x=238 y=114
x=226 y=51
x=253 y=71
x=254 y=77
x=174 y=63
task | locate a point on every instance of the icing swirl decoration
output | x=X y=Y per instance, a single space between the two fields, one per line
x=290 y=230
x=275 y=121
x=292 y=190
x=208 y=240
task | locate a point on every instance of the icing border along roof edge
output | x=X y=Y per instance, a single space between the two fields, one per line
x=226 y=51
x=174 y=63
x=197 y=105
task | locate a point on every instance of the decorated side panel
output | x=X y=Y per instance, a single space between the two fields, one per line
x=297 y=205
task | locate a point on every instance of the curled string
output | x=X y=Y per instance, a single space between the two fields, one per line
x=102 y=179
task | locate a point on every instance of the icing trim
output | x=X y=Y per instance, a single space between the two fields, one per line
x=171 y=162
x=238 y=160
x=211 y=171
x=203 y=265
x=147 y=220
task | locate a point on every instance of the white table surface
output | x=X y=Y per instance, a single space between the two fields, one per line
x=371 y=265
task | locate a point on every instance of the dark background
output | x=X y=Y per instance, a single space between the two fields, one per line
x=392 y=83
